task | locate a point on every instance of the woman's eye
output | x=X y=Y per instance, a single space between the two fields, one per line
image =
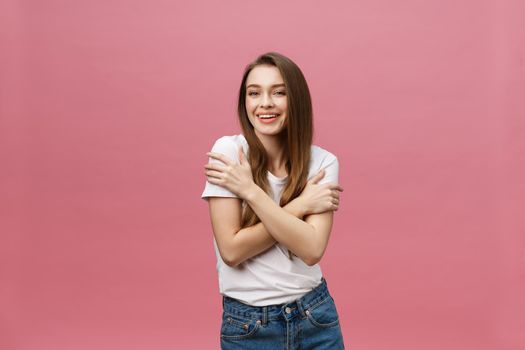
x=251 y=93
x=281 y=92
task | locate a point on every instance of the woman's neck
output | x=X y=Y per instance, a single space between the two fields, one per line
x=275 y=150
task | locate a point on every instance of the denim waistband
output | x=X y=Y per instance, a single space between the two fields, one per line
x=272 y=312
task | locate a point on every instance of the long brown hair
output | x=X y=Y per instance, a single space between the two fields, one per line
x=296 y=137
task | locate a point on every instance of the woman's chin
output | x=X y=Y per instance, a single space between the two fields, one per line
x=268 y=132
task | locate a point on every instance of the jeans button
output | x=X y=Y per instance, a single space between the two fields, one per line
x=287 y=310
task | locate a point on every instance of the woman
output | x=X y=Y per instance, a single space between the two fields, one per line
x=272 y=195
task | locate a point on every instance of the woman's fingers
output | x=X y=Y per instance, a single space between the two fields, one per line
x=335 y=194
x=221 y=157
x=212 y=173
x=336 y=187
x=214 y=166
x=213 y=180
x=317 y=177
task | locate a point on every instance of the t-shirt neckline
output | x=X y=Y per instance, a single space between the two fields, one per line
x=275 y=178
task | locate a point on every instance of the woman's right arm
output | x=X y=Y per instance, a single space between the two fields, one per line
x=235 y=244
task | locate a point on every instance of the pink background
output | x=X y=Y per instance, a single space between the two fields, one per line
x=108 y=107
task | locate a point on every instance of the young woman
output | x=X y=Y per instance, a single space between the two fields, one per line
x=272 y=196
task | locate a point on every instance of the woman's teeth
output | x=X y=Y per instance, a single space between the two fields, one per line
x=267 y=116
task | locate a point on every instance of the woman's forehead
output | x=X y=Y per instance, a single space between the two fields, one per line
x=264 y=76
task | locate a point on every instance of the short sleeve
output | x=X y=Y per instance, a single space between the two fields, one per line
x=228 y=147
x=331 y=166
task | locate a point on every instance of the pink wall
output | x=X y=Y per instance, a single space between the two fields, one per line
x=108 y=107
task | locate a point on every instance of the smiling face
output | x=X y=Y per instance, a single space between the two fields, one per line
x=266 y=100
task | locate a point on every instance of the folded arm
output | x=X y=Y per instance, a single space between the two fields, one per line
x=236 y=245
x=306 y=239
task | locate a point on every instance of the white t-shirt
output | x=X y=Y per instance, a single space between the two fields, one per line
x=269 y=277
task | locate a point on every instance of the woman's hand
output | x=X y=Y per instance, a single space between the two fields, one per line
x=320 y=198
x=237 y=178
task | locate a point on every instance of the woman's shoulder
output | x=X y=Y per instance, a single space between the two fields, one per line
x=232 y=139
x=229 y=144
x=321 y=154
x=324 y=159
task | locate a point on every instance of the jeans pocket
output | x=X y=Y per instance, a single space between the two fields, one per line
x=237 y=327
x=323 y=314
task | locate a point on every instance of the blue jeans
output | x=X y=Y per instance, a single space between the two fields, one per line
x=310 y=322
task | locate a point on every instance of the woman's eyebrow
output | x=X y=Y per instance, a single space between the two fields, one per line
x=255 y=85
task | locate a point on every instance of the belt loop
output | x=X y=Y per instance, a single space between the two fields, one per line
x=300 y=307
x=265 y=315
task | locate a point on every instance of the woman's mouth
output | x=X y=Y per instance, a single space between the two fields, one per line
x=267 y=118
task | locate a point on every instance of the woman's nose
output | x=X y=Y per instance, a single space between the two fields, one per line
x=266 y=100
